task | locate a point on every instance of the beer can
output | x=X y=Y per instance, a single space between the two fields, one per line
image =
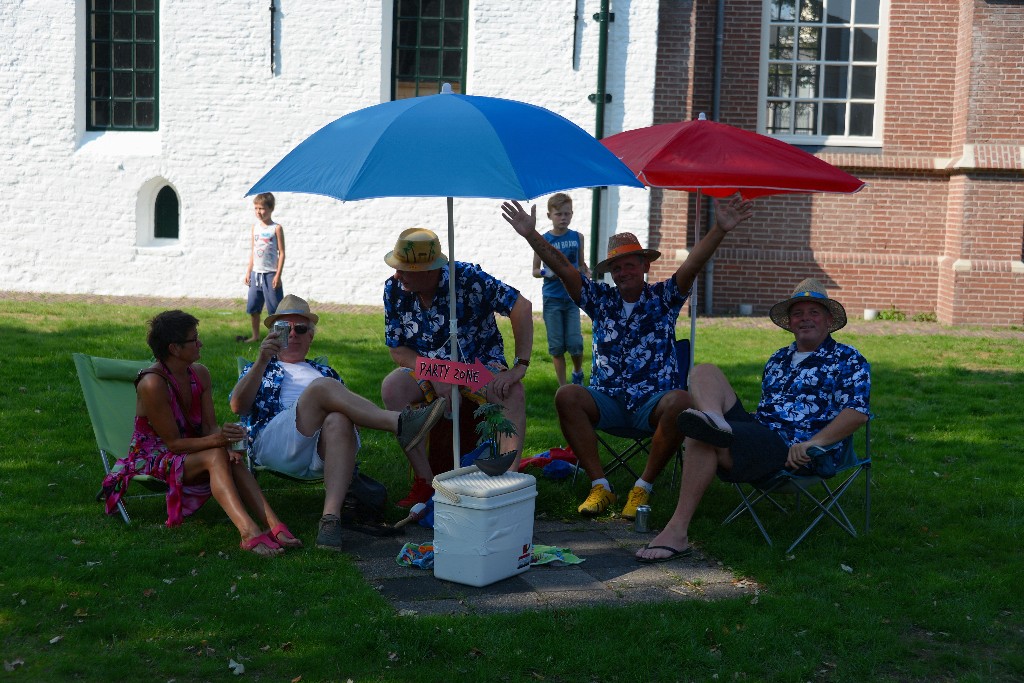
x=283 y=329
x=642 y=523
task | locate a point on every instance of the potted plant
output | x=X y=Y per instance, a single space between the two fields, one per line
x=491 y=426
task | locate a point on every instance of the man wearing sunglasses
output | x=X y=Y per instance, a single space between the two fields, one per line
x=303 y=420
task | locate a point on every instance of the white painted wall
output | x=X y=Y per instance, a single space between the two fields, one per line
x=71 y=200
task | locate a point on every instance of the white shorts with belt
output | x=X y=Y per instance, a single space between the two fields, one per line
x=283 y=448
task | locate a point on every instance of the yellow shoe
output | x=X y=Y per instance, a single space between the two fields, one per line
x=597 y=502
x=637 y=496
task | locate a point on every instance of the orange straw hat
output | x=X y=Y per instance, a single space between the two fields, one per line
x=416 y=249
x=809 y=290
x=624 y=244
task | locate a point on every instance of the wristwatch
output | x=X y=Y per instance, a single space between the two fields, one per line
x=525 y=362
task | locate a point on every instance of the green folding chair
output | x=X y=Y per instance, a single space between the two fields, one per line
x=108 y=386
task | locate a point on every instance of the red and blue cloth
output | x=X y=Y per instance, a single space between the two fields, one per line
x=555 y=463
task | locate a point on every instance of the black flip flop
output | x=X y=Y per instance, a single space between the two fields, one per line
x=676 y=554
x=699 y=425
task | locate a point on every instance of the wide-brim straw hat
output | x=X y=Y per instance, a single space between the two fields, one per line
x=809 y=290
x=416 y=249
x=291 y=305
x=624 y=244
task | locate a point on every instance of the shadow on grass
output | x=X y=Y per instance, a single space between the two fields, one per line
x=932 y=592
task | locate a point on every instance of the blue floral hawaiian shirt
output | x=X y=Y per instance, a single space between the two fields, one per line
x=480 y=296
x=798 y=401
x=634 y=355
x=267 y=403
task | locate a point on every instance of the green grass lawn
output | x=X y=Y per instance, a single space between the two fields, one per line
x=933 y=592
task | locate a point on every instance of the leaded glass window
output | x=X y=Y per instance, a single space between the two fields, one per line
x=822 y=77
x=122 y=64
x=429 y=47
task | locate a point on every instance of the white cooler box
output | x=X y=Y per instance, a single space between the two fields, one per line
x=483 y=525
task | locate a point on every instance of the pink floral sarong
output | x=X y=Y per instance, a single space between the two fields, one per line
x=148 y=454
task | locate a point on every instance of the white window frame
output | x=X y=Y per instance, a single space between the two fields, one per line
x=874 y=140
x=419 y=77
x=145 y=223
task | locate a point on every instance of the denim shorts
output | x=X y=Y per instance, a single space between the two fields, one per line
x=615 y=415
x=260 y=291
x=562 y=320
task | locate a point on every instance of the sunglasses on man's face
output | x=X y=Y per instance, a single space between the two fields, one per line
x=300 y=329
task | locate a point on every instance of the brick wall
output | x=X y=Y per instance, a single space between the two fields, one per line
x=940 y=226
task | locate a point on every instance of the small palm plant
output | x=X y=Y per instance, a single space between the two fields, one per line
x=491 y=427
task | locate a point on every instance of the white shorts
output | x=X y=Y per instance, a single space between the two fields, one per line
x=283 y=448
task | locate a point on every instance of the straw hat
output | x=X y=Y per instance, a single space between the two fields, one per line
x=624 y=244
x=809 y=290
x=416 y=249
x=291 y=305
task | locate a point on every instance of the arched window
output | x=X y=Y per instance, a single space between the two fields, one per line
x=165 y=214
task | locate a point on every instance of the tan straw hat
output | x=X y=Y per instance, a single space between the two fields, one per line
x=809 y=290
x=624 y=244
x=416 y=249
x=291 y=305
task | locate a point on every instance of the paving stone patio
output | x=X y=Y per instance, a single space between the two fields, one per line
x=608 y=576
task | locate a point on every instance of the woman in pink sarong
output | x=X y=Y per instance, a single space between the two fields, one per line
x=178 y=441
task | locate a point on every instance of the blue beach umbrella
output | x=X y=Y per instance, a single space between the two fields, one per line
x=447 y=145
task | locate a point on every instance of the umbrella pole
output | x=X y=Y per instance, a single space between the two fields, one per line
x=693 y=289
x=453 y=326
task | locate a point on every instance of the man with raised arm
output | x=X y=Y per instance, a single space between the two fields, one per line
x=634 y=378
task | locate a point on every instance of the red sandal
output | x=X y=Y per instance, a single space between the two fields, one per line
x=253 y=544
x=283 y=536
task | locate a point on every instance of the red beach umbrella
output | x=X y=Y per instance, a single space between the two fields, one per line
x=719 y=160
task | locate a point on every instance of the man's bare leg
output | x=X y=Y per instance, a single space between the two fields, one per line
x=577 y=416
x=399 y=390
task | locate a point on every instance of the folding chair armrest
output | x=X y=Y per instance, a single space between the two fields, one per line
x=827 y=461
x=818 y=451
x=250 y=462
x=842 y=446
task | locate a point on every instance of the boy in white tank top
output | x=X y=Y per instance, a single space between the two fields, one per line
x=266 y=264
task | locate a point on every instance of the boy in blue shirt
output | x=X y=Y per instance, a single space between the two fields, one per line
x=561 y=314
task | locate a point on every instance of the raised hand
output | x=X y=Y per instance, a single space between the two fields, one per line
x=524 y=223
x=732 y=211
